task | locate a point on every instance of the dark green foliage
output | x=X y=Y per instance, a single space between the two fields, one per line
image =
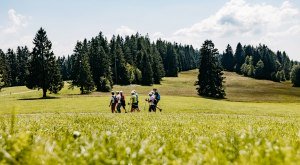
x=81 y=74
x=228 y=59
x=263 y=63
x=259 y=70
x=295 y=76
x=23 y=55
x=13 y=67
x=239 y=57
x=247 y=68
x=100 y=64
x=210 y=79
x=2 y=83
x=147 y=73
x=158 y=68
x=171 y=61
x=43 y=70
x=4 y=68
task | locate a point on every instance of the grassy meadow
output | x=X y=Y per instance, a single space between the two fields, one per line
x=258 y=123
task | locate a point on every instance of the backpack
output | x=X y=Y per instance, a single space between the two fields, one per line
x=157 y=96
x=115 y=99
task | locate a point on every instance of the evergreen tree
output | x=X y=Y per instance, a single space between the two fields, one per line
x=22 y=58
x=259 y=70
x=158 y=68
x=81 y=73
x=210 y=79
x=295 y=76
x=147 y=73
x=43 y=70
x=247 y=68
x=228 y=59
x=100 y=66
x=239 y=57
x=13 y=67
x=171 y=61
x=4 y=68
x=2 y=83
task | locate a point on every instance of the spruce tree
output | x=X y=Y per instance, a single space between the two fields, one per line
x=2 y=83
x=43 y=70
x=259 y=70
x=22 y=58
x=147 y=73
x=122 y=75
x=158 y=67
x=81 y=73
x=172 y=62
x=4 y=68
x=210 y=79
x=13 y=67
x=295 y=76
x=239 y=57
x=228 y=59
x=100 y=66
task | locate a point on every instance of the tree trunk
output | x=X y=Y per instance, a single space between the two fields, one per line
x=44 y=92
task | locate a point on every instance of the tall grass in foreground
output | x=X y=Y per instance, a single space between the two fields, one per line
x=142 y=138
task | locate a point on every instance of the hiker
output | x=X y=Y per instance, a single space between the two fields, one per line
x=151 y=101
x=137 y=100
x=157 y=99
x=133 y=102
x=118 y=102
x=113 y=102
x=123 y=103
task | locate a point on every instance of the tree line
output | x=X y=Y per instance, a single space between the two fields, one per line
x=258 y=62
x=96 y=64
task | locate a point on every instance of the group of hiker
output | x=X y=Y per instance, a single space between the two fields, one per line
x=117 y=101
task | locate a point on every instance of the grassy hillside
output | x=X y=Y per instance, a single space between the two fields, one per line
x=258 y=123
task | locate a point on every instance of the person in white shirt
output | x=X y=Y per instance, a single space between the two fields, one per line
x=151 y=101
x=119 y=102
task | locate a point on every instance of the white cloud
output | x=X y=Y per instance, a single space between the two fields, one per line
x=16 y=22
x=125 y=30
x=241 y=21
x=12 y=34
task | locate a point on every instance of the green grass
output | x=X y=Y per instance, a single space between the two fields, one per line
x=258 y=123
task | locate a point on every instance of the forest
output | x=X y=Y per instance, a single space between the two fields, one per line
x=99 y=63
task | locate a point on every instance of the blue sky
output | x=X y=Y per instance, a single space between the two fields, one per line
x=272 y=22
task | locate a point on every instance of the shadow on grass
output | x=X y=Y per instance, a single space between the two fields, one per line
x=40 y=98
x=213 y=98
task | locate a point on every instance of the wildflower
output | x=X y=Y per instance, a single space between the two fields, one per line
x=76 y=134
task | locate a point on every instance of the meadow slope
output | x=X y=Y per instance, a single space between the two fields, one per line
x=258 y=123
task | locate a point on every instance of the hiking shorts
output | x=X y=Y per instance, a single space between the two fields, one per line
x=152 y=108
x=113 y=107
x=119 y=108
x=134 y=105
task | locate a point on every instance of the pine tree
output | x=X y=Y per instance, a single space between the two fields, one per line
x=157 y=66
x=147 y=73
x=4 y=68
x=81 y=73
x=100 y=66
x=259 y=70
x=210 y=79
x=228 y=59
x=22 y=58
x=295 y=76
x=43 y=70
x=239 y=57
x=13 y=65
x=2 y=83
x=122 y=75
x=171 y=61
